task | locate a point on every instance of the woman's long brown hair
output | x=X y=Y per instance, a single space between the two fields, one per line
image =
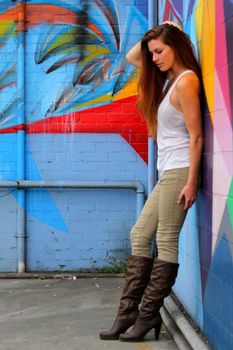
x=151 y=80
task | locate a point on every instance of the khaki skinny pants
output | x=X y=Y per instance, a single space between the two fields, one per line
x=163 y=216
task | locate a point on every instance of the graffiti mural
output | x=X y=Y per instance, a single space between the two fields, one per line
x=76 y=50
x=81 y=123
x=208 y=261
x=79 y=90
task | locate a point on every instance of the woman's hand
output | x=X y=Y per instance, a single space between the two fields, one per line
x=172 y=24
x=189 y=194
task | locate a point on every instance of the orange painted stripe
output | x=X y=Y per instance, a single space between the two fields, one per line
x=9 y=15
x=37 y=14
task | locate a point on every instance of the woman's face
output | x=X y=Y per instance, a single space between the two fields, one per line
x=162 y=55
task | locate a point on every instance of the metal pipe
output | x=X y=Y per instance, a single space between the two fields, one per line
x=21 y=234
x=151 y=165
x=174 y=331
x=80 y=184
x=136 y=185
x=152 y=150
x=21 y=185
x=8 y=184
x=152 y=19
x=186 y=328
x=151 y=13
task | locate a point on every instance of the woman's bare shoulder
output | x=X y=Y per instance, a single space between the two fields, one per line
x=188 y=81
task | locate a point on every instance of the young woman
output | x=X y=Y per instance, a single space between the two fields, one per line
x=169 y=98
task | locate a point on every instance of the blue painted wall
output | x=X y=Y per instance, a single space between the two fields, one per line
x=81 y=124
x=205 y=280
x=70 y=229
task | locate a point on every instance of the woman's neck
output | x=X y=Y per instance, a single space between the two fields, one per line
x=175 y=71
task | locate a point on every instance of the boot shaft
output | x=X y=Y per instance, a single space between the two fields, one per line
x=163 y=276
x=137 y=277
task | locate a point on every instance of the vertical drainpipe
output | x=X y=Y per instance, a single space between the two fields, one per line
x=152 y=174
x=21 y=231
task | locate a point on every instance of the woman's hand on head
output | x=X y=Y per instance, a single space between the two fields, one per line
x=172 y=24
x=188 y=195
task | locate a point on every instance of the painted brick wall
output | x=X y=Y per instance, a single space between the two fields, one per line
x=70 y=229
x=205 y=280
x=81 y=124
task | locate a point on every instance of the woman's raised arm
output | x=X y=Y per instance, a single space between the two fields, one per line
x=134 y=55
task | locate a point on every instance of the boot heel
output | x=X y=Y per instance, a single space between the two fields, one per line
x=157 y=331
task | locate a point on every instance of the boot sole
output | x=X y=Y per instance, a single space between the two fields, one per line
x=109 y=338
x=132 y=340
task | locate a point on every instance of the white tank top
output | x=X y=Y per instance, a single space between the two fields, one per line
x=172 y=134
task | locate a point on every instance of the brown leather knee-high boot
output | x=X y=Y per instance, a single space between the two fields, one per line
x=163 y=277
x=137 y=278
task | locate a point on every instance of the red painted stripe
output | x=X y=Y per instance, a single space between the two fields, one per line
x=119 y=117
x=13 y=129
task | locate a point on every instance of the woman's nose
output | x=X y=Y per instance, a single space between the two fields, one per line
x=155 y=58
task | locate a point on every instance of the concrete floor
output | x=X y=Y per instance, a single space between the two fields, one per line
x=64 y=314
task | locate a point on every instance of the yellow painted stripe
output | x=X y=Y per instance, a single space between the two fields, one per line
x=5 y=26
x=97 y=100
x=211 y=11
x=129 y=90
x=205 y=23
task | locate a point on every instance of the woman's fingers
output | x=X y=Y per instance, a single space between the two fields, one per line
x=180 y=198
x=189 y=197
